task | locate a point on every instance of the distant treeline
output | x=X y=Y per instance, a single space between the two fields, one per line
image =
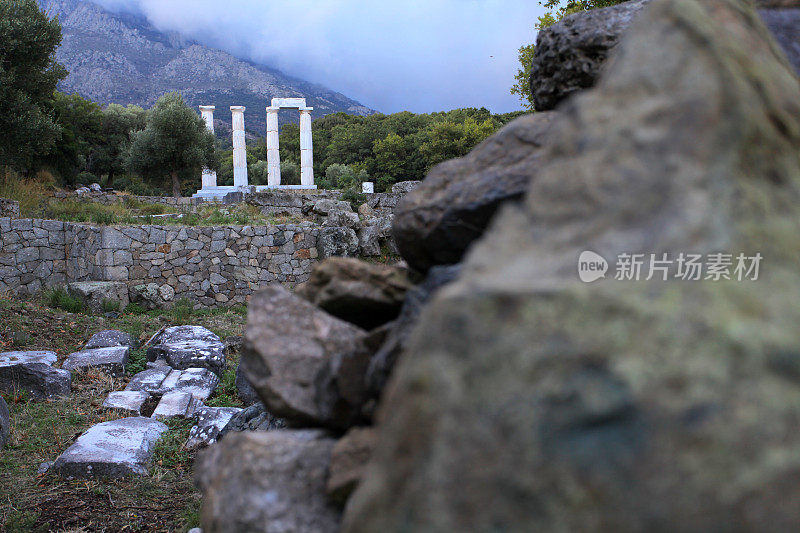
x=382 y=148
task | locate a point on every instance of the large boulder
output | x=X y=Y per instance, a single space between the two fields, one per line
x=337 y=242
x=435 y=223
x=365 y=294
x=98 y=296
x=33 y=373
x=530 y=401
x=306 y=365
x=271 y=482
x=5 y=423
x=570 y=54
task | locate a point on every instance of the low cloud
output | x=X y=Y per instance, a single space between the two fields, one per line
x=416 y=55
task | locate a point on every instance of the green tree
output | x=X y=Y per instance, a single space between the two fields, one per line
x=29 y=74
x=174 y=142
x=81 y=123
x=557 y=10
x=119 y=124
x=448 y=140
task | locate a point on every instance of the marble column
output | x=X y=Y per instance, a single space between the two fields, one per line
x=273 y=148
x=239 y=147
x=209 y=176
x=306 y=148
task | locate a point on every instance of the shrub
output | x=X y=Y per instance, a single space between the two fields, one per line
x=87 y=178
x=59 y=298
x=354 y=196
x=30 y=193
x=134 y=309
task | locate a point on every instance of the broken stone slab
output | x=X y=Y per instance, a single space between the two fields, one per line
x=111 y=338
x=132 y=402
x=185 y=347
x=112 y=360
x=31 y=372
x=267 y=481
x=210 y=421
x=22 y=358
x=111 y=450
x=157 y=381
x=177 y=404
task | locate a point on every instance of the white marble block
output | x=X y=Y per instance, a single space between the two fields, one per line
x=368 y=187
x=239 y=147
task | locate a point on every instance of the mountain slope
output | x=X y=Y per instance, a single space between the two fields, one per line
x=123 y=59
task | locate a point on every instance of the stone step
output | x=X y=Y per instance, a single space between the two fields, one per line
x=131 y=402
x=111 y=450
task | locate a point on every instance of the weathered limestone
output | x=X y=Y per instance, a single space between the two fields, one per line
x=32 y=372
x=210 y=421
x=112 y=450
x=95 y=295
x=131 y=402
x=183 y=347
x=239 y=148
x=109 y=338
x=176 y=404
x=161 y=380
x=112 y=360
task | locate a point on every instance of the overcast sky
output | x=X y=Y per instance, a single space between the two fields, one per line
x=391 y=55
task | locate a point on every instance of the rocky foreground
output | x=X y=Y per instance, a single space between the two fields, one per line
x=502 y=393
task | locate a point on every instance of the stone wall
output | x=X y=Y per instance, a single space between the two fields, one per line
x=210 y=265
x=9 y=208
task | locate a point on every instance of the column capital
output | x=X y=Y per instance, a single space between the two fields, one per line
x=273 y=109
x=238 y=108
x=207 y=108
x=306 y=109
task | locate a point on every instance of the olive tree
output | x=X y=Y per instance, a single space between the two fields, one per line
x=174 y=144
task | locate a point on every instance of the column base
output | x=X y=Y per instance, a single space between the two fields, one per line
x=260 y=188
x=214 y=192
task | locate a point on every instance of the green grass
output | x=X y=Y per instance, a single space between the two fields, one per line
x=59 y=298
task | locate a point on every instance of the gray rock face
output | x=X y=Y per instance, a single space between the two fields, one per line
x=346 y=219
x=111 y=450
x=784 y=24
x=337 y=242
x=130 y=402
x=570 y=53
x=270 y=482
x=32 y=372
x=94 y=293
x=152 y=295
x=382 y=363
x=158 y=381
x=405 y=187
x=5 y=423
x=210 y=421
x=112 y=360
x=326 y=207
x=185 y=347
x=364 y=294
x=300 y=360
x=437 y=222
x=110 y=338
x=254 y=418
x=579 y=407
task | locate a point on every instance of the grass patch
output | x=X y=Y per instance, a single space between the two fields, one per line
x=31 y=194
x=60 y=298
x=226 y=394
